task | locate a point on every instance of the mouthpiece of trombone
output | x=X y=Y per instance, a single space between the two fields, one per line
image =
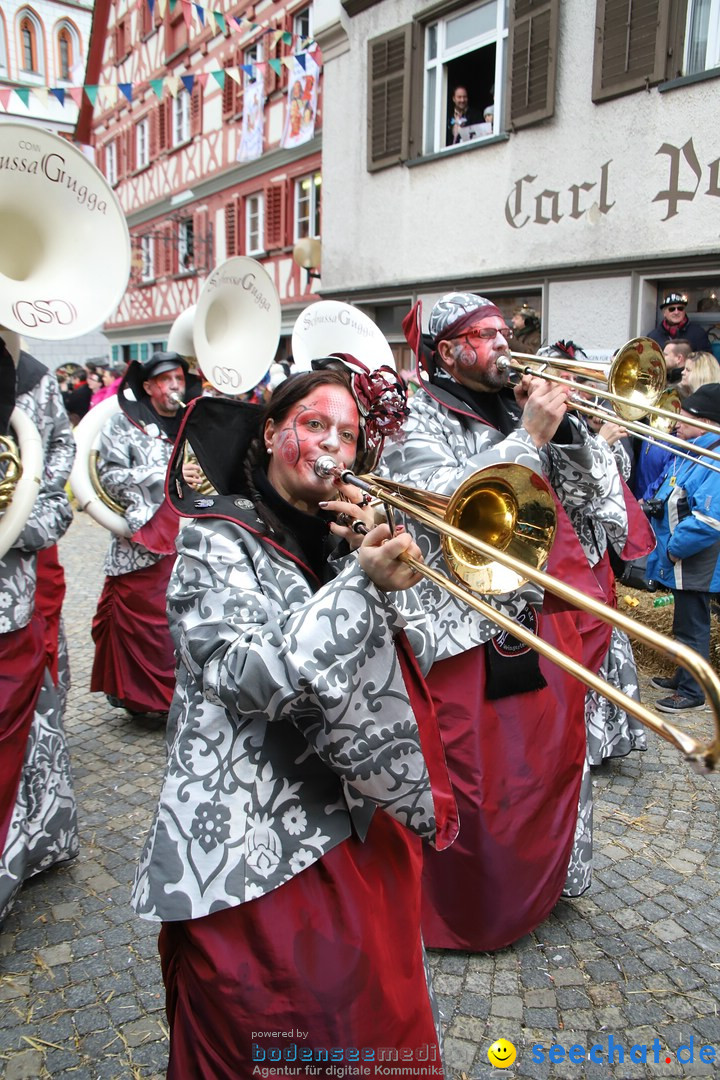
x=325 y=466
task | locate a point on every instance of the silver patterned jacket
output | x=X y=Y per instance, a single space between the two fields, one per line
x=39 y=396
x=439 y=447
x=132 y=464
x=290 y=724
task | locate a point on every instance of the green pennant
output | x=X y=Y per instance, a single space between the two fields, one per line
x=157 y=85
x=92 y=93
x=219 y=77
x=287 y=38
x=276 y=65
x=173 y=5
x=220 y=20
x=23 y=92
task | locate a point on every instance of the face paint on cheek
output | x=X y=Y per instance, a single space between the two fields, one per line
x=467 y=356
x=288 y=447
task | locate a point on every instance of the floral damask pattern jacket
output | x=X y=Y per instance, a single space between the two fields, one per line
x=51 y=514
x=132 y=464
x=290 y=724
x=440 y=447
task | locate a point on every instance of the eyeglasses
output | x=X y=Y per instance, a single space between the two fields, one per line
x=488 y=333
x=676 y=307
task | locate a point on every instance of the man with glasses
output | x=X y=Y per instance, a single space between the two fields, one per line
x=512 y=722
x=675 y=325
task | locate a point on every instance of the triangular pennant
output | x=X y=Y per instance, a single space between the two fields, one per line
x=188 y=82
x=288 y=62
x=276 y=36
x=300 y=57
x=276 y=65
x=187 y=13
x=219 y=77
x=234 y=73
x=317 y=57
x=173 y=5
x=76 y=93
x=92 y=93
x=162 y=4
x=5 y=97
x=59 y=92
x=287 y=38
x=220 y=21
x=40 y=93
x=109 y=95
x=238 y=23
x=202 y=78
x=260 y=65
x=157 y=85
x=126 y=88
x=200 y=12
x=173 y=84
x=151 y=6
x=23 y=92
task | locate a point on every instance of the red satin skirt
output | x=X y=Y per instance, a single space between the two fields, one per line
x=49 y=596
x=23 y=660
x=516 y=765
x=331 y=962
x=134 y=654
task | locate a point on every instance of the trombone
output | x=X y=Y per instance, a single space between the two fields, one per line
x=635 y=382
x=505 y=507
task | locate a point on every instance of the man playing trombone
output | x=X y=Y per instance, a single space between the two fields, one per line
x=513 y=724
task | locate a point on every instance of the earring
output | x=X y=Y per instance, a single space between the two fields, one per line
x=269 y=450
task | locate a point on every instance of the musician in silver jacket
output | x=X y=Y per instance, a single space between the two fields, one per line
x=512 y=723
x=38 y=820
x=134 y=660
x=300 y=716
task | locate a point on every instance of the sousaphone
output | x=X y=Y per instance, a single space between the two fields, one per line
x=64 y=266
x=330 y=326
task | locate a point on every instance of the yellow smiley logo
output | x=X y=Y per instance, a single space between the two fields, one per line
x=501 y=1054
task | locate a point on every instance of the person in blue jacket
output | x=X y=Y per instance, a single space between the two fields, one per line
x=687 y=556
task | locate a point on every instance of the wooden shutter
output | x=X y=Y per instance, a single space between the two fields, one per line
x=231 y=228
x=275 y=217
x=389 y=78
x=154 y=133
x=283 y=50
x=533 y=61
x=164 y=124
x=121 y=155
x=170 y=242
x=631 y=40
x=228 y=94
x=131 y=149
x=201 y=240
x=196 y=116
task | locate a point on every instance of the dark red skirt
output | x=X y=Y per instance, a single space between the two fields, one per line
x=49 y=596
x=516 y=765
x=134 y=653
x=329 y=962
x=22 y=669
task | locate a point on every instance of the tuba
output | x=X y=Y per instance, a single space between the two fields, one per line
x=330 y=326
x=64 y=266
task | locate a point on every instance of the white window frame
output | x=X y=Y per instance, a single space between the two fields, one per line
x=712 y=49
x=111 y=162
x=312 y=218
x=33 y=76
x=298 y=18
x=142 y=143
x=186 y=245
x=3 y=49
x=181 y=118
x=253 y=54
x=254 y=224
x=147 y=253
x=436 y=94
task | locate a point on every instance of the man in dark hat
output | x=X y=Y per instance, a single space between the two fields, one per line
x=687 y=556
x=513 y=724
x=134 y=658
x=675 y=325
x=38 y=818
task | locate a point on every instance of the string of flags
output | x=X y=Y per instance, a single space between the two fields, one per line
x=108 y=93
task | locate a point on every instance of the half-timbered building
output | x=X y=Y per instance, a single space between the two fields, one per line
x=196 y=143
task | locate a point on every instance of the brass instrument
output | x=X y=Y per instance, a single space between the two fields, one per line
x=635 y=382
x=11 y=469
x=204 y=487
x=510 y=524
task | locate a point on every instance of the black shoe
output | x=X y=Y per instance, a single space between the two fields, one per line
x=679 y=703
x=116 y=703
x=664 y=684
x=651 y=585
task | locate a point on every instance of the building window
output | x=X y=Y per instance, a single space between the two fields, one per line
x=186 y=246
x=28 y=39
x=142 y=143
x=466 y=49
x=302 y=25
x=307 y=206
x=254 y=225
x=147 y=255
x=252 y=55
x=3 y=46
x=181 y=118
x=111 y=162
x=702 y=36
x=65 y=53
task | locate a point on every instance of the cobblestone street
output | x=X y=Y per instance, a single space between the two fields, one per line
x=636 y=959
